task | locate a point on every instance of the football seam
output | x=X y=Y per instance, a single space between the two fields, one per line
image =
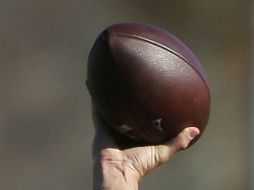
x=166 y=48
x=142 y=131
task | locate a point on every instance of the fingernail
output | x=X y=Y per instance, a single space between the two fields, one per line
x=193 y=132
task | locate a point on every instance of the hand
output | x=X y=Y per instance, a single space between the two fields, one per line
x=116 y=169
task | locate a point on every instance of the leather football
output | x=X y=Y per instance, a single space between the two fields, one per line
x=146 y=83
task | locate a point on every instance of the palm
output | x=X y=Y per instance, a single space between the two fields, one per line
x=138 y=160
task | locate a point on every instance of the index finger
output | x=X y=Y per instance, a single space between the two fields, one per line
x=102 y=138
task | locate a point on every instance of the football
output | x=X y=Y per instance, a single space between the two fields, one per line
x=146 y=83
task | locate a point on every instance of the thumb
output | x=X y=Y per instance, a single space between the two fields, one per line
x=180 y=142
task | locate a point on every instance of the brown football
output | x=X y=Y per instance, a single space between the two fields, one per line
x=146 y=83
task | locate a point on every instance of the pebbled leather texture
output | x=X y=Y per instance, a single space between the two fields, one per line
x=146 y=83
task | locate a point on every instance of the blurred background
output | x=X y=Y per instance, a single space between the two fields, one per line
x=45 y=117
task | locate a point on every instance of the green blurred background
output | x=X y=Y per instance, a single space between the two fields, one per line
x=45 y=117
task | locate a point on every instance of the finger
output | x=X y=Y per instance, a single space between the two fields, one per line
x=181 y=141
x=98 y=121
x=101 y=126
x=102 y=138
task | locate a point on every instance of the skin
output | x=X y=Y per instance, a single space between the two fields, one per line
x=122 y=169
